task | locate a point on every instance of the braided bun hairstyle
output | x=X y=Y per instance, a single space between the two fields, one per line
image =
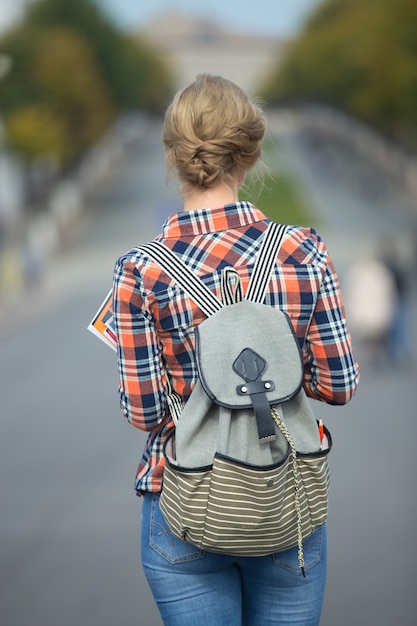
x=212 y=132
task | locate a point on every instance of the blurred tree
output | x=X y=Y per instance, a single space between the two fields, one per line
x=83 y=102
x=73 y=67
x=34 y=130
x=125 y=66
x=153 y=73
x=359 y=56
x=18 y=87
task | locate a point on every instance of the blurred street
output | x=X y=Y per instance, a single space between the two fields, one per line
x=69 y=521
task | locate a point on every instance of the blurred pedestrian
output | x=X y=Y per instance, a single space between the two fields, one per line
x=399 y=339
x=213 y=135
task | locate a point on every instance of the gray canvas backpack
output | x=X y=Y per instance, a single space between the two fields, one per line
x=245 y=470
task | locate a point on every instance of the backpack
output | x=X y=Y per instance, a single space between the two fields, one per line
x=246 y=470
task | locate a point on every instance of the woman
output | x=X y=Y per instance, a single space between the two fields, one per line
x=212 y=136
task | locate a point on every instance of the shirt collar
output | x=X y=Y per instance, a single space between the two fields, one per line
x=203 y=221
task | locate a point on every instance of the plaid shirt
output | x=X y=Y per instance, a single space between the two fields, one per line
x=155 y=320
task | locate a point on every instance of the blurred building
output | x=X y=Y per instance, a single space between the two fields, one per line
x=192 y=45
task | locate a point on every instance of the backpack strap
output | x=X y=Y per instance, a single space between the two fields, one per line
x=265 y=262
x=231 y=286
x=183 y=276
x=194 y=287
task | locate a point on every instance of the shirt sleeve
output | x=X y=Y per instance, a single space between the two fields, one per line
x=331 y=373
x=142 y=375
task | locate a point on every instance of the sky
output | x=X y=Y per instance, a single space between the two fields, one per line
x=9 y=11
x=268 y=17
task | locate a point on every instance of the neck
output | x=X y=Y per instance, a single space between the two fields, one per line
x=211 y=198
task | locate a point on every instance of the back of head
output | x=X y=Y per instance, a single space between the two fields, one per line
x=212 y=132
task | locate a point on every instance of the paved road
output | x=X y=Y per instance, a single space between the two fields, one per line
x=69 y=521
x=372 y=523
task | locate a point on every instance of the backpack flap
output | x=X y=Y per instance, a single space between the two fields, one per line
x=248 y=357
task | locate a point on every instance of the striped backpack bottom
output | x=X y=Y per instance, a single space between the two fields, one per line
x=234 y=508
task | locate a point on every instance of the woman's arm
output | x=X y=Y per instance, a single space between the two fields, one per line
x=142 y=378
x=331 y=371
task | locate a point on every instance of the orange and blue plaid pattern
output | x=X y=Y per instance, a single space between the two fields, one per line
x=155 y=320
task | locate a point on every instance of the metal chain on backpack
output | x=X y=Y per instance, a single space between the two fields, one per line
x=286 y=433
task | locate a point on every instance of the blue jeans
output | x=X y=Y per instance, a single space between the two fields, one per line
x=196 y=588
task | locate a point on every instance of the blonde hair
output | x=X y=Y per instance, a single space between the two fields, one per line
x=212 y=132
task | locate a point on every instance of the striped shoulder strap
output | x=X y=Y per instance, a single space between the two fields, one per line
x=193 y=286
x=183 y=276
x=265 y=261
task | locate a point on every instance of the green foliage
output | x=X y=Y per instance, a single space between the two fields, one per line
x=359 y=56
x=279 y=196
x=18 y=87
x=73 y=67
x=34 y=130
x=124 y=65
x=282 y=201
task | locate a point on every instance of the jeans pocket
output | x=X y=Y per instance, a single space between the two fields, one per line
x=314 y=548
x=165 y=543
